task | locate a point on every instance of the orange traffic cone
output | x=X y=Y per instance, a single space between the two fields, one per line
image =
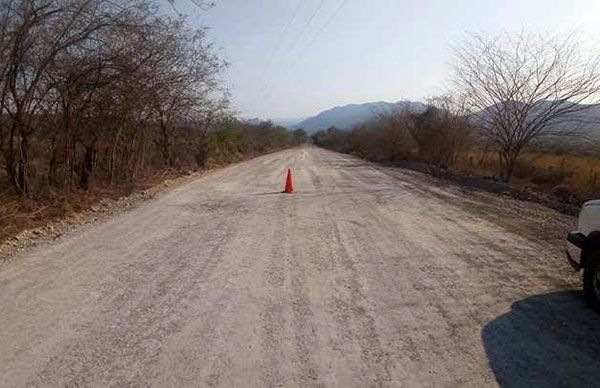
x=289 y=182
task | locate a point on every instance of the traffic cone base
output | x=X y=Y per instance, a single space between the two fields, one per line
x=289 y=182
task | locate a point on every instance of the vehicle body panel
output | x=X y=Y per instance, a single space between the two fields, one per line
x=588 y=222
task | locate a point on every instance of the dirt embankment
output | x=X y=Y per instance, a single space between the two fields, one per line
x=46 y=228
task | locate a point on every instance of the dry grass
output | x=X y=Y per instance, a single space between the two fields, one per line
x=17 y=214
x=564 y=175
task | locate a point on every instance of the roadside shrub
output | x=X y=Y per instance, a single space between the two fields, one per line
x=442 y=137
x=434 y=136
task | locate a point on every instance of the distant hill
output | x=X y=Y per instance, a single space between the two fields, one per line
x=586 y=123
x=284 y=122
x=350 y=116
x=288 y=122
x=253 y=121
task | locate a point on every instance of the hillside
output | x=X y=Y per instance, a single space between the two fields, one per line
x=349 y=116
x=584 y=123
x=587 y=122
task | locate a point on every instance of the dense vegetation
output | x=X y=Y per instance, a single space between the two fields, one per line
x=103 y=95
x=434 y=136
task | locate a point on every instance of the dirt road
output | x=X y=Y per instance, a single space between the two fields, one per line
x=367 y=276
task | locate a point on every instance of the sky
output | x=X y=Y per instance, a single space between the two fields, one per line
x=295 y=58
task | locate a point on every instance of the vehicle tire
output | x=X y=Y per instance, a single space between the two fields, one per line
x=591 y=281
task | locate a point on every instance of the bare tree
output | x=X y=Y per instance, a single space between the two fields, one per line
x=38 y=32
x=182 y=80
x=521 y=88
x=107 y=94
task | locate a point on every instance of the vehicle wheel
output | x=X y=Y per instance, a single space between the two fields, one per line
x=591 y=281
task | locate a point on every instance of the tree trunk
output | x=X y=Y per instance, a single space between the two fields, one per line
x=508 y=162
x=52 y=164
x=166 y=145
x=113 y=156
x=87 y=167
x=9 y=156
x=510 y=168
x=23 y=166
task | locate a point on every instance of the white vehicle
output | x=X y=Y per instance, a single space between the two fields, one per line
x=583 y=251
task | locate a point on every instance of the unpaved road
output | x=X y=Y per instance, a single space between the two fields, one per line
x=368 y=276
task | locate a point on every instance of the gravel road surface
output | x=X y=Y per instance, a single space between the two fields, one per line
x=367 y=276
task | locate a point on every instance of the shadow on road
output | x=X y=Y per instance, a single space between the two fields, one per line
x=269 y=193
x=545 y=340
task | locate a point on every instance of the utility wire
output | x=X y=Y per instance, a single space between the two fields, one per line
x=271 y=56
x=291 y=47
x=286 y=28
x=319 y=32
x=314 y=38
x=300 y=33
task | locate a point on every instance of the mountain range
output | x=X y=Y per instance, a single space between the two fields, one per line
x=350 y=116
x=585 y=118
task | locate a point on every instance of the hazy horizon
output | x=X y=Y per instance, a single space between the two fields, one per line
x=293 y=59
